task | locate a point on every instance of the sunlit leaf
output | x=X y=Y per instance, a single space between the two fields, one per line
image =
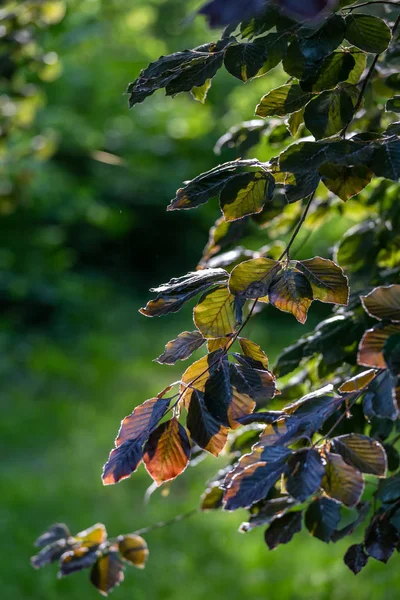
x=133 y=548
x=380 y=400
x=107 y=572
x=370 y=350
x=252 y=278
x=205 y=430
x=246 y=194
x=267 y=511
x=50 y=553
x=93 y=536
x=252 y=484
x=367 y=32
x=283 y=100
x=253 y=351
x=383 y=303
x=77 y=559
x=361 y=452
x=343 y=181
x=358 y=382
x=58 y=531
x=291 y=292
x=245 y=60
x=167 y=451
x=341 y=481
x=212 y=498
x=327 y=280
x=214 y=315
x=329 y=113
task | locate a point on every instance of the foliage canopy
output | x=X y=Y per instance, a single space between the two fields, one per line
x=311 y=441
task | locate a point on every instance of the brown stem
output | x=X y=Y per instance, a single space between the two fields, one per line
x=298 y=227
x=168 y=522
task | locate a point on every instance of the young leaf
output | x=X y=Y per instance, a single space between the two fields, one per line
x=214 y=315
x=133 y=548
x=343 y=181
x=358 y=382
x=246 y=194
x=50 y=553
x=356 y=558
x=367 y=32
x=322 y=518
x=205 y=430
x=305 y=472
x=58 y=531
x=327 y=280
x=254 y=351
x=282 y=529
x=199 y=93
x=173 y=295
x=329 y=113
x=361 y=452
x=93 y=536
x=77 y=559
x=383 y=303
x=181 y=348
x=341 y=481
x=291 y=292
x=107 y=572
x=167 y=451
x=252 y=278
x=283 y=100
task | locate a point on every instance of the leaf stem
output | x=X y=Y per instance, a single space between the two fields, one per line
x=371 y=2
x=172 y=521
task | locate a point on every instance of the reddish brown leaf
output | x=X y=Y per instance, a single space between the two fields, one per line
x=291 y=292
x=167 y=451
x=370 y=350
x=327 y=280
x=383 y=303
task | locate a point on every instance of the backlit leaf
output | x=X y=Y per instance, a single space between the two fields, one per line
x=77 y=559
x=343 y=181
x=393 y=104
x=383 y=303
x=367 y=32
x=282 y=529
x=58 y=531
x=370 y=350
x=167 y=451
x=341 y=481
x=327 y=280
x=133 y=548
x=385 y=160
x=290 y=291
x=253 y=351
x=358 y=382
x=246 y=194
x=252 y=484
x=214 y=315
x=283 y=100
x=267 y=511
x=328 y=113
x=361 y=452
x=181 y=348
x=245 y=60
x=107 y=572
x=93 y=536
x=335 y=68
x=252 y=278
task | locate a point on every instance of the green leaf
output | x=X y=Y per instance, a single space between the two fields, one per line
x=300 y=185
x=276 y=45
x=208 y=185
x=327 y=280
x=385 y=160
x=329 y=113
x=252 y=278
x=291 y=292
x=282 y=529
x=325 y=40
x=335 y=68
x=181 y=348
x=343 y=181
x=322 y=518
x=282 y=101
x=199 y=93
x=393 y=104
x=361 y=452
x=368 y=33
x=214 y=315
x=341 y=481
x=244 y=61
x=246 y=194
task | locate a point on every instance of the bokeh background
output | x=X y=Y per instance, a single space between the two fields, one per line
x=83 y=235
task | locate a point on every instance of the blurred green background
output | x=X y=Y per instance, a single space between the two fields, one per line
x=84 y=234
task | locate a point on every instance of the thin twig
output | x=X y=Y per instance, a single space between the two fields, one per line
x=298 y=227
x=371 y=2
x=168 y=522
